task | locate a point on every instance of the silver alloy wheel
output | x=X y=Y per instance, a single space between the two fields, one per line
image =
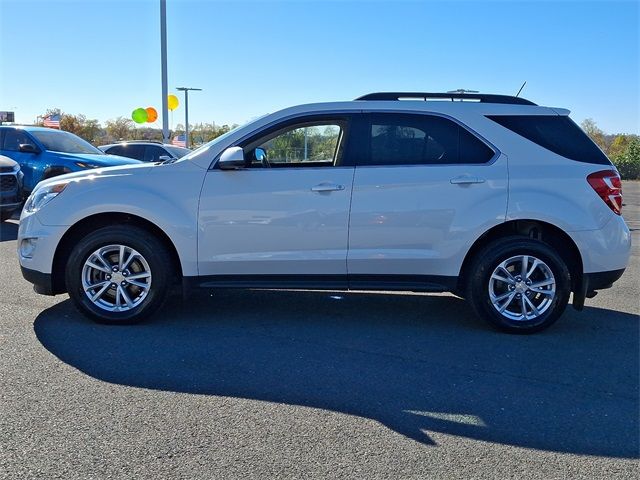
x=116 y=278
x=522 y=288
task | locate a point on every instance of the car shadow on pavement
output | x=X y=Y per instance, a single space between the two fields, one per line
x=416 y=363
x=8 y=231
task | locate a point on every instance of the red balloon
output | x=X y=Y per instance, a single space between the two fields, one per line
x=152 y=114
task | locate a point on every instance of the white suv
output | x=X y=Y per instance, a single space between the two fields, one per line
x=498 y=200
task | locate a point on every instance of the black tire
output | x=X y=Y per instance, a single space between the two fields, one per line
x=490 y=257
x=155 y=254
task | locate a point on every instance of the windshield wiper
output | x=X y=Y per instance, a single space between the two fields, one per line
x=166 y=162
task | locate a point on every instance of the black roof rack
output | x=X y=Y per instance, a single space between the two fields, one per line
x=425 y=96
x=141 y=141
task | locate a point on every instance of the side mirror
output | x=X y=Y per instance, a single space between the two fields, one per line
x=231 y=159
x=164 y=158
x=28 y=148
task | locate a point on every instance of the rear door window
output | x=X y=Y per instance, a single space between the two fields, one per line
x=409 y=139
x=557 y=133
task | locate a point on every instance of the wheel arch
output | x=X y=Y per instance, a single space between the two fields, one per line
x=93 y=222
x=535 y=229
x=54 y=171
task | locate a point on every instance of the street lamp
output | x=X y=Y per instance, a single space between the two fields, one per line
x=186 y=111
x=163 y=62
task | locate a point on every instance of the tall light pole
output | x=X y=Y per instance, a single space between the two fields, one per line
x=186 y=111
x=163 y=55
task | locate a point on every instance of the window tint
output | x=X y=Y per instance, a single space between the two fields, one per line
x=60 y=141
x=153 y=153
x=557 y=133
x=311 y=144
x=131 y=151
x=13 y=139
x=177 y=152
x=117 y=150
x=398 y=139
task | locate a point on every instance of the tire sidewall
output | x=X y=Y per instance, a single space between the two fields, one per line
x=491 y=257
x=138 y=239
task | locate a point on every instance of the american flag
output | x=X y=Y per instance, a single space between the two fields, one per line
x=179 y=140
x=52 y=121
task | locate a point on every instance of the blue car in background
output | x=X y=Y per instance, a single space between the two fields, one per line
x=46 y=152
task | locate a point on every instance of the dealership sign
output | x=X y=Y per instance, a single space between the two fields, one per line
x=7 y=117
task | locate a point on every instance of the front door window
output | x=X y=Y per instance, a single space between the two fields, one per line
x=301 y=145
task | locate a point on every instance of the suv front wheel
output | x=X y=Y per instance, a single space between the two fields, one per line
x=518 y=284
x=118 y=274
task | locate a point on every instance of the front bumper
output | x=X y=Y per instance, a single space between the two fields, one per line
x=9 y=207
x=37 y=264
x=10 y=190
x=42 y=282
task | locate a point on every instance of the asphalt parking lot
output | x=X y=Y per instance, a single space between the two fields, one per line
x=262 y=384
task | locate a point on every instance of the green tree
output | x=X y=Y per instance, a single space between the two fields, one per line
x=200 y=133
x=88 y=129
x=628 y=163
x=120 y=128
x=619 y=145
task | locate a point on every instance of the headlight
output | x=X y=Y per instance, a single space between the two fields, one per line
x=86 y=165
x=43 y=195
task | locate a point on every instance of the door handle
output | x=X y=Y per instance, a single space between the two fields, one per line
x=327 y=187
x=466 y=180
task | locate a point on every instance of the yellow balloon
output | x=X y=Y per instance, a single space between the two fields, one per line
x=172 y=100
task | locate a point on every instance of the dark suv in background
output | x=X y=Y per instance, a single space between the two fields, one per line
x=10 y=187
x=147 y=151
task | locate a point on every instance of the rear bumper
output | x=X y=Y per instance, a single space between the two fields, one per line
x=42 y=282
x=591 y=282
x=605 y=250
x=601 y=280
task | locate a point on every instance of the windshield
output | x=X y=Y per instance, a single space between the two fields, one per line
x=207 y=146
x=216 y=140
x=178 y=152
x=65 y=142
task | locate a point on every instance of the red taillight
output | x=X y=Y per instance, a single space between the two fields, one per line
x=608 y=186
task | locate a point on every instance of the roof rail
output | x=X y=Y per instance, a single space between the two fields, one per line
x=140 y=141
x=426 y=96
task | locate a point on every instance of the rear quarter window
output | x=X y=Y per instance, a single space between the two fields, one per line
x=556 y=133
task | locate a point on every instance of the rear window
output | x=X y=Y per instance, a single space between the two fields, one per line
x=556 y=133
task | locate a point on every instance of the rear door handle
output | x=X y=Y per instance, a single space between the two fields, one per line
x=327 y=187
x=466 y=180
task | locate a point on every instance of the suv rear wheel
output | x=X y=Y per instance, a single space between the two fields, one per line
x=118 y=274
x=518 y=284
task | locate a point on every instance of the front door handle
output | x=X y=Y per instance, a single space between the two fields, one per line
x=466 y=180
x=327 y=187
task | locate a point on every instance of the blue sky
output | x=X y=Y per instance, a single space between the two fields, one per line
x=102 y=58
